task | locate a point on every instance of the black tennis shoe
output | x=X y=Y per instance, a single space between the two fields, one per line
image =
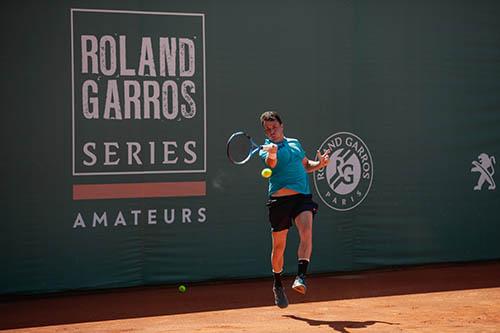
x=280 y=298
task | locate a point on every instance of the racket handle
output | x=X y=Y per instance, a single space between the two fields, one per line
x=267 y=147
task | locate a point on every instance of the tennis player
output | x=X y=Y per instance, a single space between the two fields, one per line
x=290 y=200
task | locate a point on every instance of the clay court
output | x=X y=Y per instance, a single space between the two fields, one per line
x=437 y=298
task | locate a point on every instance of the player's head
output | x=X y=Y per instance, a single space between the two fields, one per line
x=270 y=116
x=273 y=126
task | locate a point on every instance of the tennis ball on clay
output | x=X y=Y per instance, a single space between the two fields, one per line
x=182 y=288
x=266 y=172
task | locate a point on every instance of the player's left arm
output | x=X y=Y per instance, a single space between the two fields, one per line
x=321 y=162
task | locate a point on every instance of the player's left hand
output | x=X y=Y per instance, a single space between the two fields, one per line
x=324 y=158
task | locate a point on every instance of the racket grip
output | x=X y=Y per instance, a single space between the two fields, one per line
x=266 y=147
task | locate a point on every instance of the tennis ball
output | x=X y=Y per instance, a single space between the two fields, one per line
x=182 y=288
x=266 y=172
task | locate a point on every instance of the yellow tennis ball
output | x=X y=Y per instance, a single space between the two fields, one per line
x=266 y=172
x=182 y=288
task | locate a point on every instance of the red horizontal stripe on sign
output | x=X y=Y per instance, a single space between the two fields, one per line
x=138 y=190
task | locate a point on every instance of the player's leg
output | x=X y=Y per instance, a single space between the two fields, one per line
x=279 y=217
x=277 y=255
x=303 y=221
x=278 y=250
x=277 y=259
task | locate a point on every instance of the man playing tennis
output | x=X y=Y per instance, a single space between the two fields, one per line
x=290 y=199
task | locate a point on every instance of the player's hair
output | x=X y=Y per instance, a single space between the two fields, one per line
x=270 y=116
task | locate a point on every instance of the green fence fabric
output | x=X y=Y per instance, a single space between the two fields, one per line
x=115 y=117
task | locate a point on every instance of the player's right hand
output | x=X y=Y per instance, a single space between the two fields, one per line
x=270 y=148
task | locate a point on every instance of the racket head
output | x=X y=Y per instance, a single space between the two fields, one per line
x=240 y=148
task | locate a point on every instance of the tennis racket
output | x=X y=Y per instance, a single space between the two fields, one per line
x=241 y=147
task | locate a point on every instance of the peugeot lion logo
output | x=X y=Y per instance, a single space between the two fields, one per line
x=484 y=166
x=346 y=180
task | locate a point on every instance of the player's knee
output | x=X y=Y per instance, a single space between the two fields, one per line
x=306 y=235
x=279 y=247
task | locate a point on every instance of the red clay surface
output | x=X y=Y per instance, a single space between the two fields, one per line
x=437 y=298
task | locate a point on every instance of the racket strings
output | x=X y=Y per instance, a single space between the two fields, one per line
x=239 y=148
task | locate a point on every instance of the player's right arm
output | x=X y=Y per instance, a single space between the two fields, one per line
x=272 y=155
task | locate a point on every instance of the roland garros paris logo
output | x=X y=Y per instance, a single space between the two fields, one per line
x=346 y=180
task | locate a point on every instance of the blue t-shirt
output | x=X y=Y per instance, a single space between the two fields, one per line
x=289 y=172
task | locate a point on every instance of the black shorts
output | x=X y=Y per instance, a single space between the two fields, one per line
x=283 y=210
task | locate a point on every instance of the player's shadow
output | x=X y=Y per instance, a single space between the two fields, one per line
x=340 y=326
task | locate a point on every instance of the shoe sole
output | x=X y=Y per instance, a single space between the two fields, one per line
x=282 y=306
x=301 y=289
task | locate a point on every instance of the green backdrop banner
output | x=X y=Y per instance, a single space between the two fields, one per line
x=116 y=114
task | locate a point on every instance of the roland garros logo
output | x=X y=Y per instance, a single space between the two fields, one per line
x=346 y=180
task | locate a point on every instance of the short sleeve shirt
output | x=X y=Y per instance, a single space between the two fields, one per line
x=289 y=171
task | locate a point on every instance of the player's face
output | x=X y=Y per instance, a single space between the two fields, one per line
x=273 y=130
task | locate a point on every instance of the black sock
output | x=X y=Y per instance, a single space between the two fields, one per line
x=277 y=279
x=302 y=270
